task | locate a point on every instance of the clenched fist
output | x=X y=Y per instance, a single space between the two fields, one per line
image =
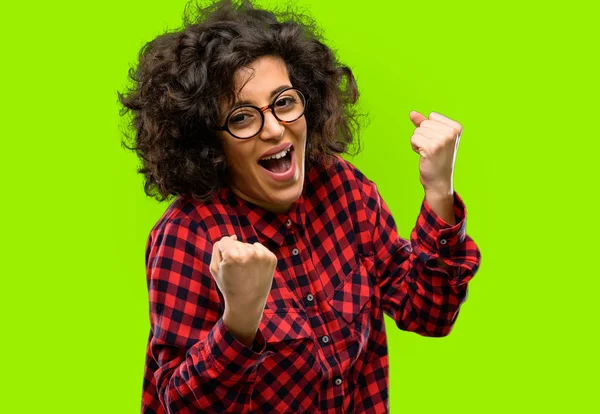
x=244 y=274
x=436 y=139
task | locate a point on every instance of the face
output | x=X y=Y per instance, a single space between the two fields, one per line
x=273 y=184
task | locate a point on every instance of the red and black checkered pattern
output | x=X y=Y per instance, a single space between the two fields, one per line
x=321 y=345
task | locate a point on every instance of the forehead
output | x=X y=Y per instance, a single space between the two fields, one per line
x=257 y=80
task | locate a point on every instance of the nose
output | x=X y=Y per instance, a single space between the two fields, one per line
x=272 y=128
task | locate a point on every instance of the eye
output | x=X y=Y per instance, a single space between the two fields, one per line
x=285 y=101
x=242 y=117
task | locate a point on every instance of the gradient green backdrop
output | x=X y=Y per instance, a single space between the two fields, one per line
x=521 y=77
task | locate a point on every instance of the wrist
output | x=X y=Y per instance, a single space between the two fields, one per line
x=244 y=322
x=243 y=330
x=439 y=190
x=439 y=197
x=442 y=204
x=241 y=308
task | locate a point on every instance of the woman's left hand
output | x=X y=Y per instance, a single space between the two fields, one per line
x=436 y=140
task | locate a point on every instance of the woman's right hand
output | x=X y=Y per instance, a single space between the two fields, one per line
x=244 y=274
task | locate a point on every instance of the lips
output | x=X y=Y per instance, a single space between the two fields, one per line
x=282 y=176
x=276 y=149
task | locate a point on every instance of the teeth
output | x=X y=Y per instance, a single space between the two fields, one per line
x=279 y=154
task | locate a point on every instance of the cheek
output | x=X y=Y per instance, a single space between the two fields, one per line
x=300 y=130
x=237 y=155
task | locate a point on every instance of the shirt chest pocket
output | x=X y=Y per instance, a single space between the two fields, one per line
x=353 y=296
x=289 y=337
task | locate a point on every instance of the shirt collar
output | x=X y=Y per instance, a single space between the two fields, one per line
x=268 y=225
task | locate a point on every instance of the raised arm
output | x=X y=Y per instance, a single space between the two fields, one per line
x=201 y=364
x=423 y=280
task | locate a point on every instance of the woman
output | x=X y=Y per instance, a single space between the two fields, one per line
x=270 y=273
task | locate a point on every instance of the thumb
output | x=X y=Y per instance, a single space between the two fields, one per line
x=216 y=258
x=218 y=249
x=416 y=118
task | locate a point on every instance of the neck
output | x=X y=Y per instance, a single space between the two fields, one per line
x=274 y=208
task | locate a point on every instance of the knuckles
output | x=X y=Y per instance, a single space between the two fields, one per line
x=247 y=253
x=454 y=128
x=239 y=253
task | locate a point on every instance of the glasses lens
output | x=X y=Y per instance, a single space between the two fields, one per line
x=245 y=122
x=289 y=106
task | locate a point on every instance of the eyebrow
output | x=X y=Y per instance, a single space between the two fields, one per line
x=274 y=92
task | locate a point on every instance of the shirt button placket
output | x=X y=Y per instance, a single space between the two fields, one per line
x=290 y=240
x=309 y=300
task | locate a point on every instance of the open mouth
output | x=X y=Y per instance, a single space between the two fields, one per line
x=278 y=165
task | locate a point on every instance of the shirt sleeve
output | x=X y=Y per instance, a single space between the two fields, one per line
x=201 y=365
x=416 y=291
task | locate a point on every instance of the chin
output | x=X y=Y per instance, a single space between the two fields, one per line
x=281 y=200
x=287 y=196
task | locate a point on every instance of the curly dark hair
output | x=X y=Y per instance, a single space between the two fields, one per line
x=182 y=76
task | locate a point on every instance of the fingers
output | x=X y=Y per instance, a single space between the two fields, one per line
x=455 y=126
x=420 y=144
x=416 y=118
x=216 y=259
x=216 y=253
x=261 y=247
x=226 y=246
x=267 y=253
x=230 y=249
x=436 y=122
x=435 y=129
x=433 y=132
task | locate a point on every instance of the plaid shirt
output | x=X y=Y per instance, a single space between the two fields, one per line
x=321 y=345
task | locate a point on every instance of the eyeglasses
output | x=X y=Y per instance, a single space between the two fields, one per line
x=246 y=121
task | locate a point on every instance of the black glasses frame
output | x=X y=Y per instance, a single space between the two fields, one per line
x=261 y=111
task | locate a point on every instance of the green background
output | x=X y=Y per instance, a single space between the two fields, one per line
x=522 y=79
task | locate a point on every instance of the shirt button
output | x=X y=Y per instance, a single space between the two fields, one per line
x=295 y=252
x=338 y=381
x=309 y=297
x=288 y=223
x=443 y=241
x=325 y=339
